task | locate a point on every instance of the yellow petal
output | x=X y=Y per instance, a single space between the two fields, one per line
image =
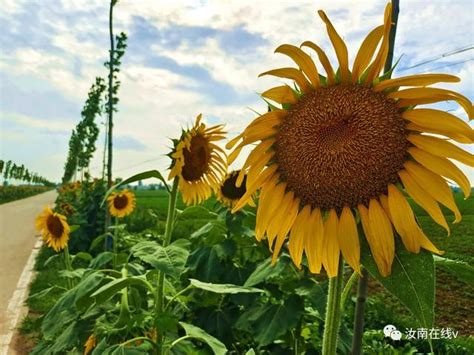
x=379 y=61
x=429 y=95
x=280 y=214
x=270 y=200
x=416 y=80
x=381 y=230
x=323 y=59
x=281 y=94
x=293 y=74
x=441 y=148
x=403 y=219
x=285 y=227
x=339 y=47
x=304 y=62
x=423 y=199
x=331 y=246
x=454 y=136
x=435 y=185
x=314 y=241
x=439 y=120
x=348 y=239
x=251 y=189
x=298 y=236
x=366 y=52
x=443 y=167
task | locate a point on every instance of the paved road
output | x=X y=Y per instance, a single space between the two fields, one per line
x=17 y=238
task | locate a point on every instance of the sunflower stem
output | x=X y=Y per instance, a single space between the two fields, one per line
x=161 y=278
x=68 y=264
x=333 y=312
x=115 y=244
x=359 y=313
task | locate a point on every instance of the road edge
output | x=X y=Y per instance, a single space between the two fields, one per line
x=16 y=308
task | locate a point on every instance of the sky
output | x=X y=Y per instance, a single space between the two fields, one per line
x=185 y=58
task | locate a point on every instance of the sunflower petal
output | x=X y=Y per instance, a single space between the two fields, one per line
x=439 y=120
x=416 y=80
x=366 y=52
x=441 y=148
x=323 y=59
x=348 y=239
x=454 y=136
x=298 y=236
x=314 y=241
x=403 y=219
x=339 y=46
x=383 y=243
x=331 y=246
x=429 y=95
x=304 y=62
x=435 y=185
x=285 y=227
x=281 y=94
x=293 y=74
x=377 y=65
x=443 y=167
x=423 y=199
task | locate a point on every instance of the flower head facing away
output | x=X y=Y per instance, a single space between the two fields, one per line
x=54 y=229
x=121 y=203
x=351 y=145
x=231 y=190
x=198 y=162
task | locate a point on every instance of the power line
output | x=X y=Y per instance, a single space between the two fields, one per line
x=443 y=55
x=452 y=64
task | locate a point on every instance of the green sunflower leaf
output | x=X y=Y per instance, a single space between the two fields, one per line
x=218 y=348
x=412 y=280
x=462 y=270
x=170 y=260
x=223 y=288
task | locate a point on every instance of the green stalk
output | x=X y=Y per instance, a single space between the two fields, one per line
x=333 y=312
x=347 y=289
x=161 y=278
x=115 y=244
x=124 y=308
x=68 y=264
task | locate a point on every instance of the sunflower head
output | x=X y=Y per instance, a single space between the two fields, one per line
x=90 y=344
x=121 y=203
x=66 y=209
x=198 y=162
x=232 y=189
x=347 y=145
x=54 y=229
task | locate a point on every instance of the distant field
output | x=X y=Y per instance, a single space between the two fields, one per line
x=13 y=193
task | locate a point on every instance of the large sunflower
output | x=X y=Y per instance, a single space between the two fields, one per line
x=54 y=229
x=198 y=162
x=121 y=203
x=348 y=146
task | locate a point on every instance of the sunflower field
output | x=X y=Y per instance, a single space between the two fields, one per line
x=334 y=223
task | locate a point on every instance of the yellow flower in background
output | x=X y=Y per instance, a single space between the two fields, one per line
x=90 y=344
x=121 y=203
x=54 y=229
x=232 y=189
x=198 y=162
x=348 y=146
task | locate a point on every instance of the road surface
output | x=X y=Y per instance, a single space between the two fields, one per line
x=17 y=239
